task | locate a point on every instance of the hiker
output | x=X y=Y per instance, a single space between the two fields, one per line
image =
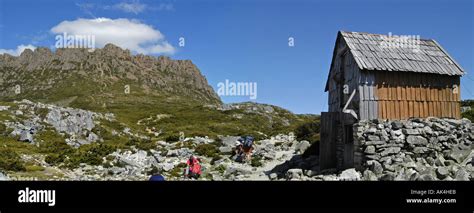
x=157 y=177
x=238 y=151
x=193 y=170
x=247 y=147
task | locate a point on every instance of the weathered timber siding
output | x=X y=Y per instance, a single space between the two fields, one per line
x=403 y=95
x=367 y=96
x=346 y=66
x=327 y=145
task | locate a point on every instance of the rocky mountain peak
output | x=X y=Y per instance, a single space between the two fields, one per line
x=109 y=64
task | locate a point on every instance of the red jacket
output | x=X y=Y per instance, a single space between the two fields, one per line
x=194 y=166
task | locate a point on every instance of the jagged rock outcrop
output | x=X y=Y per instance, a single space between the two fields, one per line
x=75 y=124
x=41 y=72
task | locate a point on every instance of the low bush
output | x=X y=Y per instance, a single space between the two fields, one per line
x=91 y=154
x=33 y=168
x=172 y=138
x=10 y=160
x=469 y=115
x=208 y=150
x=308 y=131
x=256 y=161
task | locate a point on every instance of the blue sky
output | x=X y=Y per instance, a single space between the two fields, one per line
x=247 y=41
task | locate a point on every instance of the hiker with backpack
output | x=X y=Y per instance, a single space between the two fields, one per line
x=193 y=169
x=238 y=151
x=247 y=147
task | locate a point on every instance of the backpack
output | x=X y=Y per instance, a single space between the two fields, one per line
x=248 y=141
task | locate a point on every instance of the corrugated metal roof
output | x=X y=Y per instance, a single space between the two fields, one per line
x=390 y=53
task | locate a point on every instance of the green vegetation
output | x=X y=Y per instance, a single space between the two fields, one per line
x=143 y=144
x=178 y=170
x=42 y=112
x=33 y=168
x=10 y=160
x=3 y=129
x=256 y=161
x=309 y=130
x=470 y=113
x=221 y=168
x=182 y=114
x=208 y=150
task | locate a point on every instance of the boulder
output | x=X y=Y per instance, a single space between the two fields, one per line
x=387 y=177
x=167 y=167
x=411 y=132
x=442 y=172
x=26 y=136
x=370 y=150
x=417 y=140
x=397 y=125
x=302 y=146
x=369 y=176
x=350 y=174
x=225 y=149
x=92 y=137
x=273 y=176
x=368 y=143
x=427 y=130
x=469 y=159
x=461 y=174
x=420 y=150
x=373 y=138
x=458 y=155
x=375 y=166
x=426 y=177
x=229 y=140
x=294 y=173
x=390 y=150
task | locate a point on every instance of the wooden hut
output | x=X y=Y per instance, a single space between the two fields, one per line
x=376 y=76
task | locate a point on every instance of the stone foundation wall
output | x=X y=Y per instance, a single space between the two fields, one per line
x=415 y=149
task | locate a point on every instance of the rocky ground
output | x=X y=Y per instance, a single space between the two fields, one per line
x=418 y=149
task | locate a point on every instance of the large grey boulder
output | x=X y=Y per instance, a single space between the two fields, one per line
x=397 y=125
x=461 y=174
x=411 y=132
x=369 y=176
x=350 y=174
x=458 y=155
x=225 y=149
x=373 y=138
x=417 y=140
x=390 y=151
x=426 y=177
x=375 y=166
x=167 y=166
x=442 y=172
x=229 y=140
x=302 y=146
x=70 y=121
x=92 y=137
x=294 y=174
x=26 y=136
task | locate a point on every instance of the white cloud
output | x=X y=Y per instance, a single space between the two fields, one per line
x=129 y=34
x=19 y=49
x=134 y=7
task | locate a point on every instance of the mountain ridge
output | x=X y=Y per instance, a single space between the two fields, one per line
x=106 y=66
